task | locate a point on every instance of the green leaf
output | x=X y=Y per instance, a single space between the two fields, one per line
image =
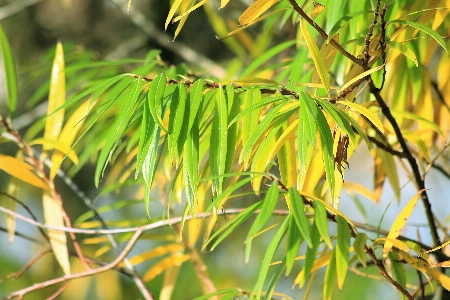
x=330 y=277
x=249 y=121
x=231 y=225
x=227 y=192
x=233 y=133
x=341 y=119
x=195 y=98
x=310 y=256
x=190 y=164
x=298 y=212
x=270 y=251
x=336 y=27
x=176 y=118
x=293 y=245
x=269 y=204
x=424 y=29
x=320 y=218
x=398 y=269
x=149 y=166
x=148 y=126
x=404 y=50
x=358 y=246
x=319 y=62
x=119 y=127
x=218 y=143
x=155 y=97
x=273 y=281
x=9 y=68
x=342 y=249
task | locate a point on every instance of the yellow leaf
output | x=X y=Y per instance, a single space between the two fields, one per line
x=171 y=13
x=158 y=251
x=170 y=279
x=360 y=76
x=56 y=98
x=288 y=133
x=174 y=260
x=399 y=222
x=255 y=10
x=366 y=113
x=352 y=187
x=223 y=3
x=318 y=263
x=187 y=12
x=189 y=4
x=55 y=144
x=396 y=243
x=318 y=8
x=21 y=170
x=53 y=215
x=319 y=62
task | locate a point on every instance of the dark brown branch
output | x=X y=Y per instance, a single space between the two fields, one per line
x=335 y=44
x=386 y=148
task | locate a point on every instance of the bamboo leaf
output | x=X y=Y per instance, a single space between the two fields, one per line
x=53 y=215
x=190 y=164
x=218 y=143
x=320 y=218
x=358 y=246
x=273 y=281
x=327 y=150
x=188 y=11
x=9 y=68
x=399 y=222
x=269 y=203
x=270 y=251
x=424 y=29
x=298 y=212
x=155 y=97
x=342 y=21
x=342 y=250
x=56 y=98
x=249 y=121
x=310 y=257
x=176 y=259
x=148 y=126
x=341 y=119
x=172 y=11
x=195 y=98
x=404 y=50
x=360 y=76
x=319 y=62
x=21 y=170
x=256 y=9
x=293 y=245
x=176 y=119
x=366 y=113
x=330 y=277
x=150 y=164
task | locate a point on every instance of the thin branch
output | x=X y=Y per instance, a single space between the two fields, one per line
x=37 y=286
x=386 y=148
x=335 y=44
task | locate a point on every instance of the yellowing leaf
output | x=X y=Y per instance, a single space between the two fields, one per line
x=318 y=8
x=171 y=13
x=21 y=170
x=53 y=215
x=399 y=222
x=56 y=98
x=54 y=144
x=255 y=10
x=366 y=113
x=187 y=12
x=156 y=252
x=174 y=260
x=319 y=61
x=360 y=76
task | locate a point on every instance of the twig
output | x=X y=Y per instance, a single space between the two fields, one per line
x=386 y=148
x=37 y=286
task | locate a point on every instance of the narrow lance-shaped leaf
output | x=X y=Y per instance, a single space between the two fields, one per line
x=342 y=21
x=155 y=96
x=195 y=98
x=56 y=98
x=399 y=222
x=298 y=212
x=358 y=246
x=250 y=120
x=270 y=252
x=293 y=245
x=404 y=50
x=219 y=139
x=320 y=218
x=9 y=68
x=190 y=164
x=319 y=62
x=21 y=170
x=366 y=113
x=342 y=250
x=330 y=277
x=177 y=116
x=269 y=203
x=147 y=128
x=53 y=215
x=255 y=10
x=310 y=256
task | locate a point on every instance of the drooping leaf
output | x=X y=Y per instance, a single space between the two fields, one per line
x=342 y=21
x=148 y=126
x=190 y=163
x=366 y=113
x=358 y=246
x=404 y=50
x=398 y=270
x=399 y=222
x=255 y=10
x=270 y=252
x=9 y=69
x=219 y=140
x=273 y=281
x=293 y=245
x=55 y=144
x=360 y=76
x=195 y=100
x=424 y=29
x=329 y=280
x=310 y=256
x=249 y=121
x=342 y=250
x=172 y=11
x=155 y=97
x=176 y=119
x=269 y=203
x=53 y=215
x=320 y=218
x=21 y=170
x=319 y=62
x=188 y=11
x=56 y=98
x=298 y=212
x=176 y=259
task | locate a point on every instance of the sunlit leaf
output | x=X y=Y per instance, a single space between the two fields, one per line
x=256 y=9
x=172 y=12
x=56 y=98
x=319 y=62
x=321 y=221
x=342 y=250
x=399 y=222
x=176 y=119
x=366 y=113
x=424 y=29
x=156 y=252
x=342 y=21
x=293 y=245
x=155 y=96
x=404 y=50
x=298 y=212
x=358 y=246
x=9 y=69
x=53 y=215
x=188 y=11
x=329 y=280
x=175 y=259
x=269 y=203
x=318 y=8
x=190 y=164
x=21 y=170
x=360 y=76
x=310 y=257
x=55 y=144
